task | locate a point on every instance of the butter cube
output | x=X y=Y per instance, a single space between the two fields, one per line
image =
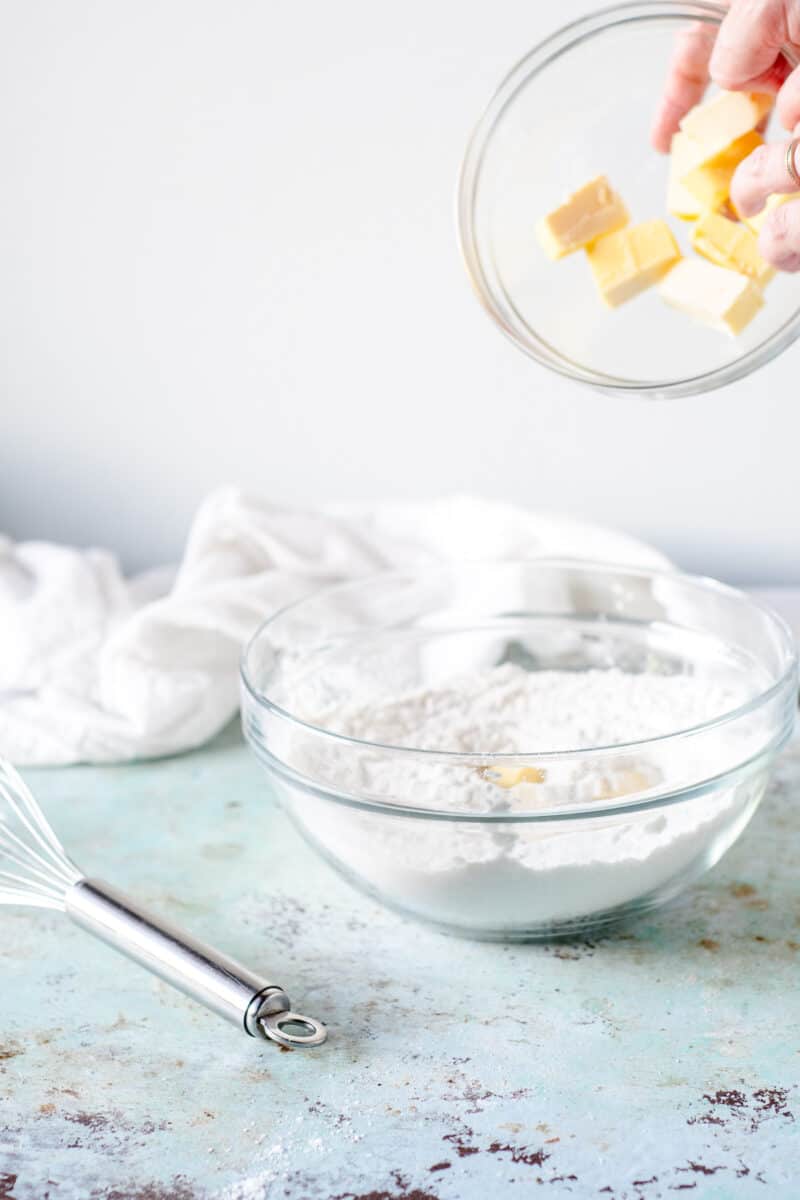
x=621 y=783
x=712 y=295
x=729 y=244
x=756 y=223
x=508 y=777
x=685 y=155
x=710 y=181
x=724 y=119
x=627 y=262
x=593 y=210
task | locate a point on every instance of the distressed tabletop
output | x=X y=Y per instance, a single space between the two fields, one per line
x=661 y=1060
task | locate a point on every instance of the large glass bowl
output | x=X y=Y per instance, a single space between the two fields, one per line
x=580 y=105
x=394 y=821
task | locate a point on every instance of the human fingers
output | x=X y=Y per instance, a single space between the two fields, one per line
x=762 y=173
x=686 y=82
x=788 y=103
x=747 y=51
x=779 y=240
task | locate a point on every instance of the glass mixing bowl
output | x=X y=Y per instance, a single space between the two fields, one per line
x=580 y=105
x=538 y=860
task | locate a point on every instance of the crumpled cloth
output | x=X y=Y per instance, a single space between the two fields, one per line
x=98 y=668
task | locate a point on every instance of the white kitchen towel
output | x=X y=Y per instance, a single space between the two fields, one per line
x=98 y=668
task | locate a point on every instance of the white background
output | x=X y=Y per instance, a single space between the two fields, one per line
x=227 y=254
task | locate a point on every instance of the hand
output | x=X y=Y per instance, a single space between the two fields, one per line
x=687 y=81
x=760 y=176
x=742 y=54
x=745 y=54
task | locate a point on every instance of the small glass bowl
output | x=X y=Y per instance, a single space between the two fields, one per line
x=579 y=105
x=545 y=861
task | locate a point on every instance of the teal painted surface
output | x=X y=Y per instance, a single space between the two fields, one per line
x=661 y=1061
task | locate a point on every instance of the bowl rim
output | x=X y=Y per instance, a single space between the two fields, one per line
x=537 y=58
x=703 y=583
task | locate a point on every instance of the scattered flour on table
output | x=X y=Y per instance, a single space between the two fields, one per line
x=513 y=875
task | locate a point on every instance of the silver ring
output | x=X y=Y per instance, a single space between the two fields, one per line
x=791 y=165
x=291 y=1029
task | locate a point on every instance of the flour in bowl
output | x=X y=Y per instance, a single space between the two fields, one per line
x=507 y=710
x=513 y=875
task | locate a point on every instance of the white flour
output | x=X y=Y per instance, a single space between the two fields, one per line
x=493 y=877
x=507 y=710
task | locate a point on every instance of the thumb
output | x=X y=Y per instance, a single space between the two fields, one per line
x=749 y=42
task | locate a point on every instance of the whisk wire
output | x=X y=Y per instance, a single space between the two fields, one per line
x=42 y=871
x=27 y=808
x=30 y=899
x=30 y=856
x=46 y=890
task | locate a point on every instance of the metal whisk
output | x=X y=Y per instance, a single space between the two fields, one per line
x=35 y=871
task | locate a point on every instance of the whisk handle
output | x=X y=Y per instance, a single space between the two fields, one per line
x=259 y=1007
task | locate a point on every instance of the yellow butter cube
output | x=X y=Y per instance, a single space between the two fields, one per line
x=724 y=119
x=710 y=181
x=627 y=262
x=621 y=783
x=715 y=296
x=595 y=209
x=729 y=244
x=508 y=777
x=685 y=155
